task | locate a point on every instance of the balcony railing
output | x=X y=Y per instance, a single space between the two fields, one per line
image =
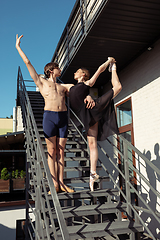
x=78 y=26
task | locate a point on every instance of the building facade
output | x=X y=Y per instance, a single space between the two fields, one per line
x=138 y=114
x=6 y=125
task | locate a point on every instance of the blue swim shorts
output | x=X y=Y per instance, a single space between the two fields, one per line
x=55 y=124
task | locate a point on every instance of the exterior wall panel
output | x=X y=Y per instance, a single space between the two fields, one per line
x=141 y=82
x=6 y=125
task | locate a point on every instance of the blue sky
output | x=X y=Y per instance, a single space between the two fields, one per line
x=41 y=23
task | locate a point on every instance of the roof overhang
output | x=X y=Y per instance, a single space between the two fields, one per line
x=123 y=29
x=9 y=139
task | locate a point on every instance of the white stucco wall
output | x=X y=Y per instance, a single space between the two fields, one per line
x=17 y=119
x=141 y=82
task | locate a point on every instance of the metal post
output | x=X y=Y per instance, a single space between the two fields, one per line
x=37 y=202
x=81 y=12
x=67 y=44
x=85 y=15
x=128 y=194
x=27 y=199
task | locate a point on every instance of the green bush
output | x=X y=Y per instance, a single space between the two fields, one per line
x=16 y=174
x=4 y=174
x=22 y=174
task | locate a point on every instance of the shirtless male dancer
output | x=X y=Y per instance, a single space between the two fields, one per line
x=55 y=120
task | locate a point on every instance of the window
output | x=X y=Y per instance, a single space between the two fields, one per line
x=124 y=114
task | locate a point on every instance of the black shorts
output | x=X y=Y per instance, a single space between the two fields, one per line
x=55 y=124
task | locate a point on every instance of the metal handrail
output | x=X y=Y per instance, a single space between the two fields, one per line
x=76 y=30
x=129 y=185
x=125 y=175
x=36 y=157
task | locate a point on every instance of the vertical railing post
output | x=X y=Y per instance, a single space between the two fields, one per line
x=27 y=198
x=68 y=106
x=37 y=202
x=126 y=169
x=81 y=13
x=85 y=15
x=128 y=193
x=57 y=57
x=18 y=78
x=67 y=44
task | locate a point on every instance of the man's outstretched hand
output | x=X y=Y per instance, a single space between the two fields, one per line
x=18 y=40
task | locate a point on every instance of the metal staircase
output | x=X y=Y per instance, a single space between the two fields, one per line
x=82 y=214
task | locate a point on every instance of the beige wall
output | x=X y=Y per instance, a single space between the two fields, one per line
x=6 y=125
x=141 y=82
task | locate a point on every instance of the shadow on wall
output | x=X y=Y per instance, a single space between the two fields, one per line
x=150 y=197
x=7 y=233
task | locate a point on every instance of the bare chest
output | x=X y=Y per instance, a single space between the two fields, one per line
x=53 y=90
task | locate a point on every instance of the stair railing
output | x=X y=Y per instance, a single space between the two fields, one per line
x=132 y=209
x=35 y=175
x=129 y=185
x=126 y=148
x=77 y=27
x=128 y=181
x=128 y=165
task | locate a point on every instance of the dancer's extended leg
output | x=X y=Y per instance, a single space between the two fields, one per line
x=92 y=142
x=117 y=87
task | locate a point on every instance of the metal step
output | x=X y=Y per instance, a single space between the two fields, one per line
x=95 y=209
x=76 y=180
x=83 y=152
x=75 y=159
x=37 y=100
x=76 y=150
x=70 y=169
x=84 y=194
x=102 y=229
x=38 y=111
x=87 y=194
x=84 y=180
x=73 y=136
x=69 y=142
x=80 y=168
x=38 y=115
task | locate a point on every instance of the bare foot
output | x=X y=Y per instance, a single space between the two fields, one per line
x=57 y=190
x=64 y=188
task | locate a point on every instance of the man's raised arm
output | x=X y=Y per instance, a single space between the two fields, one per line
x=31 y=69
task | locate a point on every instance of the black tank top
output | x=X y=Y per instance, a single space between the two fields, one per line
x=103 y=112
x=77 y=94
